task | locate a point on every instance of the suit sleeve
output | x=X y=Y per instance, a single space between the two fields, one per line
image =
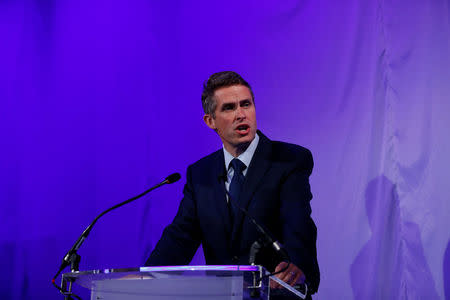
x=181 y=239
x=298 y=229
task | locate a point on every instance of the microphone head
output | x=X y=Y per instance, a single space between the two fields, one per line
x=173 y=178
x=223 y=176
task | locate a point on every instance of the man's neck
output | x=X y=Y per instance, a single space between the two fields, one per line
x=245 y=154
x=238 y=150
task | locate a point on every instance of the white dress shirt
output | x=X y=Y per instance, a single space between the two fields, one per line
x=245 y=157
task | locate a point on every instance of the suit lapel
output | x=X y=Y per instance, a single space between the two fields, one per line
x=219 y=196
x=259 y=165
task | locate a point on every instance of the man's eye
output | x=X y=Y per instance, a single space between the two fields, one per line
x=246 y=103
x=228 y=107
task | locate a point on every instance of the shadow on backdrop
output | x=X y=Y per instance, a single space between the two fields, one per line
x=446 y=272
x=392 y=264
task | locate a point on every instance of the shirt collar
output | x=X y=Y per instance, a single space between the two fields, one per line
x=245 y=157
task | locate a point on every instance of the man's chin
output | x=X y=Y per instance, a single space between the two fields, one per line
x=247 y=138
x=244 y=142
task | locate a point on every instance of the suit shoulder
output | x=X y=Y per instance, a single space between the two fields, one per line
x=282 y=151
x=289 y=150
x=206 y=162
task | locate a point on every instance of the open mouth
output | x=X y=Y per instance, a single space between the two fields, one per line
x=243 y=128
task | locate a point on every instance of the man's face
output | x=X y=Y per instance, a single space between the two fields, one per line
x=235 y=118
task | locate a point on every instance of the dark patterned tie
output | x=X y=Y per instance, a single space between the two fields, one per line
x=236 y=186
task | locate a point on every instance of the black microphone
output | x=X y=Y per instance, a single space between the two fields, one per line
x=268 y=239
x=72 y=258
x=223 y=177
x=173 y=178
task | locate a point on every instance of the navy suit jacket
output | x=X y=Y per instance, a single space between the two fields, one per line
x=276 y=193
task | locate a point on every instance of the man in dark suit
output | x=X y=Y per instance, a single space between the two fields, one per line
x=269 y=179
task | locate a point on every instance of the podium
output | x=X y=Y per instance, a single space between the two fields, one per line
x=177 y=282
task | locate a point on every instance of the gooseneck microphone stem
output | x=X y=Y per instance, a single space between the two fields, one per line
x=266 y=240
x=266 y=237
x=72 y=258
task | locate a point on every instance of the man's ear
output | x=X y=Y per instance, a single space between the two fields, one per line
x=209 y=120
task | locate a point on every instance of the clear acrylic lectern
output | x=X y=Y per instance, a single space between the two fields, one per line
x=175 y=282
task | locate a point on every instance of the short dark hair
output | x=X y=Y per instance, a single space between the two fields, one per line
x=217 y=81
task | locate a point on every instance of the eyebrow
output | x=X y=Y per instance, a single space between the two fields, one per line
x=227 y=105
x=233 y=103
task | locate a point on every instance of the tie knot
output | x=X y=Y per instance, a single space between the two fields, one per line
x=238 y=166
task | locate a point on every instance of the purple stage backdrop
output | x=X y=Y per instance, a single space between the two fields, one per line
x=100 y=100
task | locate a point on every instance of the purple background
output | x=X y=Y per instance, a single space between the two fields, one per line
x=101 y=100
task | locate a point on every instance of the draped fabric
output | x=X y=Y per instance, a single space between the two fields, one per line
x=100 y=100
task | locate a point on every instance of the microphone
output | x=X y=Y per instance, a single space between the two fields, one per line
x=72 y=258
x=172 y=178
x=223 y=177
x=267 y=238
x=257 y=246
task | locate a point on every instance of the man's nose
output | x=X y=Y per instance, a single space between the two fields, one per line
x=240 y=114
